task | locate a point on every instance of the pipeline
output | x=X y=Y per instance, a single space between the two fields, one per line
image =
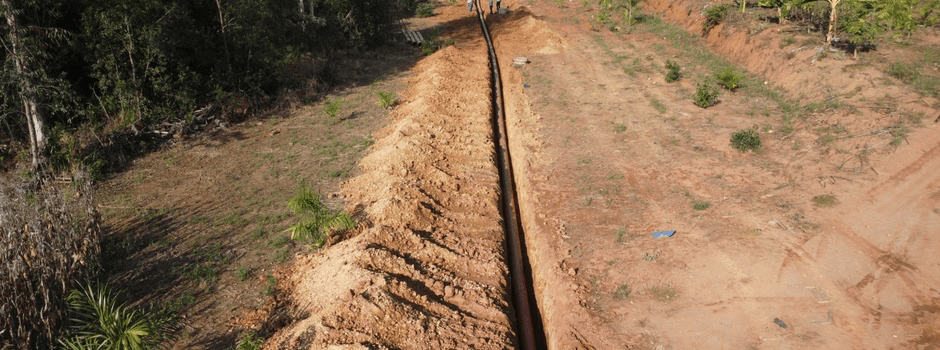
x=527 y=320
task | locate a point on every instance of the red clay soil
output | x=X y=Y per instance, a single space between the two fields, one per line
x=427 y=269
x=604 y=158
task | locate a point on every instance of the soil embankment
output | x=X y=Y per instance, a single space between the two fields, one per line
x=427 y=269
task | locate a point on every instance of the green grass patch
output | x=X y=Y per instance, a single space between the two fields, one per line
x=623 y=292
x=825 y=201
x=912 y=74
x=700 y=205
x=746 y=140
x=621 y=232
x=664 y=292
x=270 y=285
x=242 y=273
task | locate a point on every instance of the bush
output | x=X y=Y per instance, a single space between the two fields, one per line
x=673 y=71
x=49 y=239
x=746 y=140
x=425 y=10
x=98 y=321
x=386 y=99
x=729 y=78
x=248 y=341
x=706 y=95
x=713 y=16
x=332 y=108
x=317 y=221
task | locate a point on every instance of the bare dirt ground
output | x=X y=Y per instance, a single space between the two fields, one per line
x=609 y=153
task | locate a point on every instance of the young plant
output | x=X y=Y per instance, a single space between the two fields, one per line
x=673 y=71
x=98 y=321
x=746 y=140
x=425 y=10
x=713 y=16
x=386 y=99
x=700 y=205
x=705 y=95
x=317 y=221
x=248 y=341
x=332 y=108
x=729 y=78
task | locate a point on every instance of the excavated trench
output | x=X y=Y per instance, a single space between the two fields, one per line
x=531 y=334
x=431 y=265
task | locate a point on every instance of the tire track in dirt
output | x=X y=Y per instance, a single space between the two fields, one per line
x=427 y=268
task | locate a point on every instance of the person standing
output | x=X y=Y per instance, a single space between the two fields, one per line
x=470 y=6
x=497 y=6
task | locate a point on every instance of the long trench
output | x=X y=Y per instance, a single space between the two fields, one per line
x=527 y=319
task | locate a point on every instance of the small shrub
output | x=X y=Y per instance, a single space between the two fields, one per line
x=620 y=233
x=425 y=10
x=622 y=292
x=705 y=95
x=619 y=128
x=248 y=341
x=729 y=78
x=700 y=205
x=317 y=221
x=428 y=47
x=664 y=292
x=658 y=105
x=242 y=273
x=332 y=108
x=270 y=285
x=713 y=16
x=825 y=200
x=386 y=99
x=98 y=321
x=898 y=133
x=673 y=71
x=746 y=140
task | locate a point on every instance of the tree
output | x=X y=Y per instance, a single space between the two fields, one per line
x=27 y=90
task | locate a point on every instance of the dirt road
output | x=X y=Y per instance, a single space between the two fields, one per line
x=612 y=154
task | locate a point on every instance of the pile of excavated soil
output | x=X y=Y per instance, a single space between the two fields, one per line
x=427 y=269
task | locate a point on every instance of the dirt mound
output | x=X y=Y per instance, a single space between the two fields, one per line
x=526 y=33
x=427 y=270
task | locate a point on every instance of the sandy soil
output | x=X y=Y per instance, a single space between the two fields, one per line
x=604 y=168
x=427 y=270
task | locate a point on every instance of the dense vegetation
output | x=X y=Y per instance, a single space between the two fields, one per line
x=116 y=67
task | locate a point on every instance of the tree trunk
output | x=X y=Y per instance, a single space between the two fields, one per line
x=34 y=118
x=228 y=59
x=833 y=17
